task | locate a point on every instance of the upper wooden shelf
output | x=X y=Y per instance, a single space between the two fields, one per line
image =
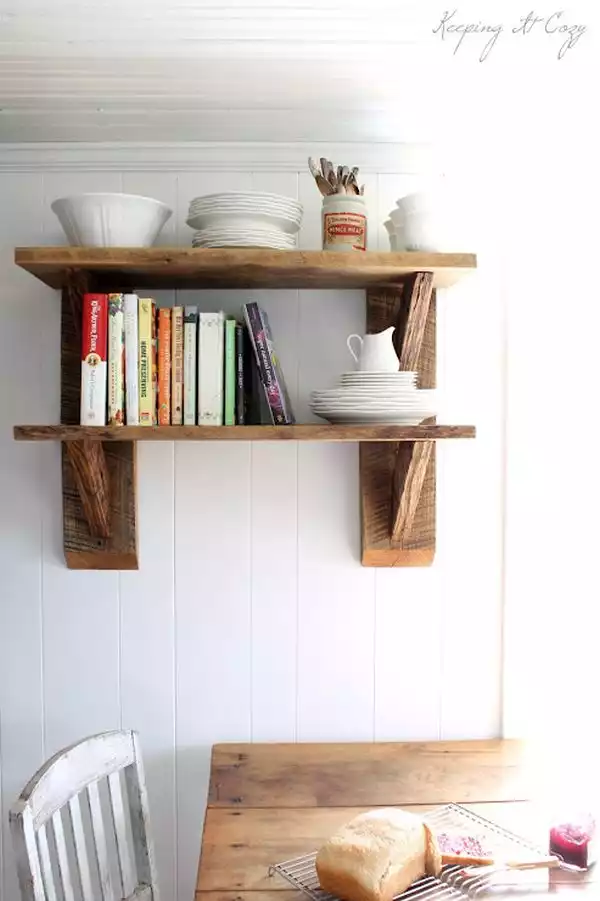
x=186 y=267
x=243 y=433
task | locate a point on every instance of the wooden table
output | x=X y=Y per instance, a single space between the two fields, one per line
x=272 y=802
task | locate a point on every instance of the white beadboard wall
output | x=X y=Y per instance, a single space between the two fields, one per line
x=250 y=618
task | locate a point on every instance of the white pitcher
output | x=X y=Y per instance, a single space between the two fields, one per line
x=377 y=353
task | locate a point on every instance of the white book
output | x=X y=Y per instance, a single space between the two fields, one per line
x=211 y=347
x=190 y=364
x=130 y=313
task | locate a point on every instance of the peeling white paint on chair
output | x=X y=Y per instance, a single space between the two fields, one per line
x=49 y=829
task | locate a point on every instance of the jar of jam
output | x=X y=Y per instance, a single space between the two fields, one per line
x=574 y=838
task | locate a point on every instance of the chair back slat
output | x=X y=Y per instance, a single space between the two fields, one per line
x=46 y=862
x=29 y=868
x=81 y=830
x=63 y=860
x=143 y=847
x=126 y=869
x=81 y=855
x=106 y=884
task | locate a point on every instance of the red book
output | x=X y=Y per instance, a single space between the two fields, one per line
x=93 y=359
x=164 y=366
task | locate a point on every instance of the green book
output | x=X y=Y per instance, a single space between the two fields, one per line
x=230 y=325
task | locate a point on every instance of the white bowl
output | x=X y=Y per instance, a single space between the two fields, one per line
x=111 y=220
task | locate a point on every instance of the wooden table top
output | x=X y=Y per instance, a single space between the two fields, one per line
x=271 y=802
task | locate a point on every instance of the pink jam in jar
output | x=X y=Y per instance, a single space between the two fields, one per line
x=575 y=841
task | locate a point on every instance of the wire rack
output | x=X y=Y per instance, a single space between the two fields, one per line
x=455 y=882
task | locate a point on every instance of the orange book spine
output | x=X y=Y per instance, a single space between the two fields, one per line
x=164 y=366
x=154 y=365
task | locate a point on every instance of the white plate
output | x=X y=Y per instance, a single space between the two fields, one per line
x=393 y=390
x=368 y=408
x=283 y=223
x=285 y=240
x=242 y=242
x=414 y=397
x=294 y=211
x=248 y=208
x=379 y=418
x=246 y=195
x=387 y=376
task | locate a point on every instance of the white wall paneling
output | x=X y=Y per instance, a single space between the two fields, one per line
x=250 y=616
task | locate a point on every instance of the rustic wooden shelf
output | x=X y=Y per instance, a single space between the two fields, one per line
x=397 y=463
x=115 y=268
x=71 y=433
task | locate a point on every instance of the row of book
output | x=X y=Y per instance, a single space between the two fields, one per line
x=143 y=365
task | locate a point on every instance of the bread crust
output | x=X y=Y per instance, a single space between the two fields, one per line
x=377 y=856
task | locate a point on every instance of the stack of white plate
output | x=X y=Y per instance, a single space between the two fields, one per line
x=245 y=219
x=375 y=398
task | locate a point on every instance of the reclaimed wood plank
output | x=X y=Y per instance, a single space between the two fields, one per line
x=566 y=890
x=410 y=472
x=382 y=469
x=311 y=432
x=91 y=477
x=179 y=267
x=363 y=774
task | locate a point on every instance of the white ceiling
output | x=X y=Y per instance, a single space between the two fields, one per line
x=237 y=70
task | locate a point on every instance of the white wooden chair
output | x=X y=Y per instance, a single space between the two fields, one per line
x=90 y=795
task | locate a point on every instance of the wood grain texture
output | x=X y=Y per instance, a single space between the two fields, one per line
x=382 y=466
x=410 y=471
x=128 y=434
x=186 y=267
x=99 y=511
x=239 y=846
x=414 y=314
x=273 y=802
x=91 y=477
x=363 y=774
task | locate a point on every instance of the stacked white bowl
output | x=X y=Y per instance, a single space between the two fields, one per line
x=375 y=398
x=428 y=221
x=245 y=219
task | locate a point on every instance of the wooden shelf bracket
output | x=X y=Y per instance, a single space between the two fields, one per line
x=99 y=486
x=398 y=480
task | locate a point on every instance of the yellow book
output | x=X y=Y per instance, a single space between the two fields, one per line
x=146 y=411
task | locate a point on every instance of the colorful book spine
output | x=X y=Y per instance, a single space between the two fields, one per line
x=177 y=366
x=93 y=359
x=230 y=372
x=290 y=419
x=146 y=388
x=211 y=327
x=190 y=364
x=240 y=378
x=130 y=312
x=116 y=360
x=268 y=366
x=164 y=366
x=154 y=365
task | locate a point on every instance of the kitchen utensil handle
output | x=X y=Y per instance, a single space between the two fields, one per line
x=351 y=349
x=545 y=863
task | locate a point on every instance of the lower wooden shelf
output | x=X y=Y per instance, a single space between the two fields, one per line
x=397 y=463
x=243 y=433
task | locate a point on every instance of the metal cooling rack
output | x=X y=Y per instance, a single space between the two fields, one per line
x=455 y=882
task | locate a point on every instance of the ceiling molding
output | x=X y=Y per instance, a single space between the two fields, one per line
x=193 y=157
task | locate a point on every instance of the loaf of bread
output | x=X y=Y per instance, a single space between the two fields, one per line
x=377 y=855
